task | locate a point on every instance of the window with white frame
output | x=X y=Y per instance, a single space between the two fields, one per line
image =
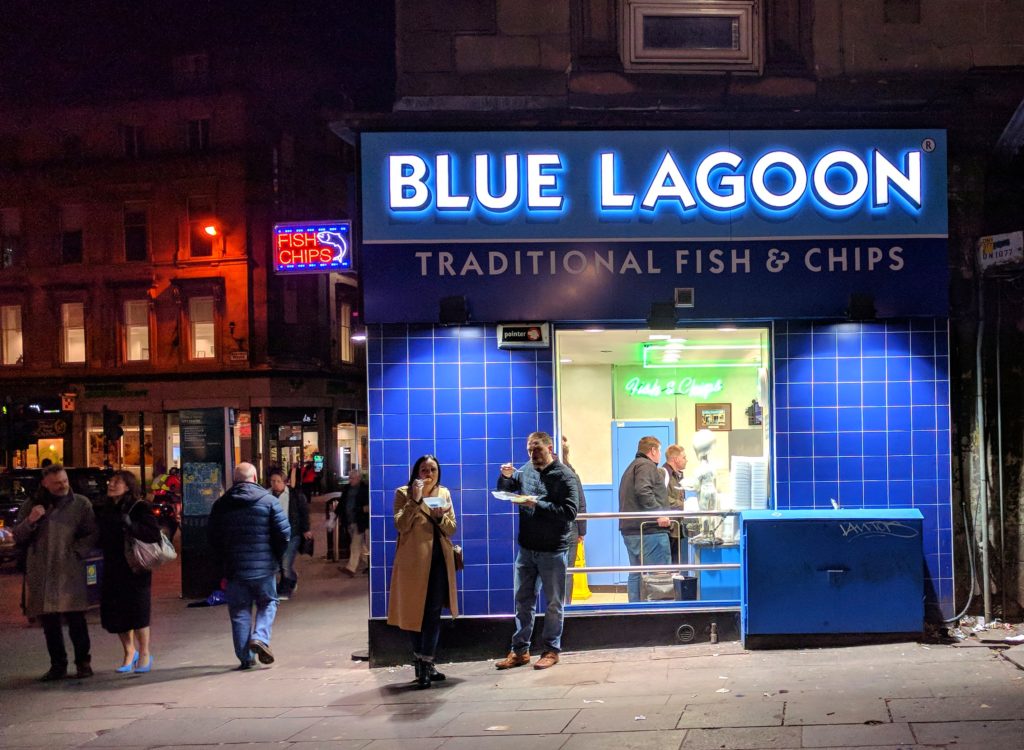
x=72 y=326
x=136 y=330
x=692 y=36
x=345 y=332
x=201 y=327
x=11 y=344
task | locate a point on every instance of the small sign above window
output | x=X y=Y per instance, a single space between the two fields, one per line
x=692 y=36
x=523 y=336
x=313 y=247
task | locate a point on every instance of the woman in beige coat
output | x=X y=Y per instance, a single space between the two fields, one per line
x=423 y=575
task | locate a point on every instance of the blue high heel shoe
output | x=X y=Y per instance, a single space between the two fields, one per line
x=129 y=667
x=148 y=667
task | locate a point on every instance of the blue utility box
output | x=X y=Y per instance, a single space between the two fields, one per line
x=827 y=577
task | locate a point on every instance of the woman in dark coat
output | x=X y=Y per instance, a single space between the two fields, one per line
x=125 y=595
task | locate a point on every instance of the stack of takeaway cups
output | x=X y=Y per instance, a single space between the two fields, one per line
x=758 y=483
x=741 y=482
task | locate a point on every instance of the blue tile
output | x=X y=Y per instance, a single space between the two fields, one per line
x=876 y=495
x=446 y=375
x=473 y=400
x=876 y=468
x=474 y=425
x=421 y=427
x=801 y=370
x=421 y=350
x=873 y=369
x=875 y=444
x=375 y=376
x=848 y=343
x=501 y=551
x=826 y=444
x=873 y=394
x=499 y=425
x=395 y=476
x=475 y=603
x=421 y=447
x=824 y=370
x=396 y=402
x=799 y=344
x=873 y=344
x=451 y=473
x=375 y=400
x=396 y=426
x=851 y=494
x=474 y=577
x=421 y=332
x=474 y=501
x=922 y=343
x=897 y=368
x=473 y=526
x=924 y=443
x=823 y=343
x=500 y=450
x=498 y=400
x=851 y=419
x=826 y=419
x=801 y=444
x=926 y=492
x=824 y=394
x=923 y=417
x=781 y=372
x=848 y=370
x=899 y=443
x=396 y=452
x=801 y=469
x=396 y=376
x=471 y=375
x=524 y=374
x=925 y=467
x=901 y=494
x=449 y=451
x=523 y=424
x=922 y=368
x=447 y=425
x=801 y=420
x=897 y=417
x=500 y=601
x=491 y=351
x=781 y=420
x=421 y=375
x=524 y=399
x=446 y=350
x=546 y=405
x=475 y=476
x=471 y=350
x=897 y=343
x=446 y=401
x=473 y=452
x=801 y=394
x=874 y=418
x=782 y=495
x=374 y=350
x=851 y=469
x=826 y=470
x=498 y=375
x=851 y=444
x=421 y=401
x=395 y=350
x=922 y=394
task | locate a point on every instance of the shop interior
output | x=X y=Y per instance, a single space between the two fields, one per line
x=616 y=385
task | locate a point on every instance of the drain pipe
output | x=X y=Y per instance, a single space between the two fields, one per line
x=999 y=448
x=979 y=407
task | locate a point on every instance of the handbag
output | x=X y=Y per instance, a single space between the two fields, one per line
x=460 y=562
x=147 y=556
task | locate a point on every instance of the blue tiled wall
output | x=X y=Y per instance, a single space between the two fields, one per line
x=862 y=416
x=451 y=392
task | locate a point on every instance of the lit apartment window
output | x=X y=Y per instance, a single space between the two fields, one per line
x=201 y=325
x=132 y=142
x=136 y=231
x=199 y=134
x=200 y=220
x=692 y=36
x=11 y=347
x=10 y=232
x=72 y=325
x=345 y=332
x=71 y=242
x=136 y=330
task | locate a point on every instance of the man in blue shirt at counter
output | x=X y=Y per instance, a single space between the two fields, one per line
x=545 y=521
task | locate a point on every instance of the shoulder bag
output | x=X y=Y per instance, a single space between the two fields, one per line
x=457 y=556
x=147 y=556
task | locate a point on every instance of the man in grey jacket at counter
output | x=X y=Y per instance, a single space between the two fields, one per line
x=642 y=488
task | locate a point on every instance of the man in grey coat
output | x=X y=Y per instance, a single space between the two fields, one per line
x=642 y=489
x=56 y=529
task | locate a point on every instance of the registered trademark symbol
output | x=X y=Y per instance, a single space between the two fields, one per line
x=928 y=145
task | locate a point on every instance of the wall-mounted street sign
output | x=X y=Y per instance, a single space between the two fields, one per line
x=313 y=247
x=1001 y=250
x=523 y=336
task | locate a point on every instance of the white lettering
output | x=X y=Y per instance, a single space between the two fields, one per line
x=734 y=195
x=446 y=201
x=609 y=198
x=715 y=258
x=908 y=183
x=575 y=269
x=741 y=259
x=811 y=266
x=896 y=256
x=785 y=160
x=668 y=184
x=424 y=257
x=444 y=264
x=682 y=259
x=406 y=175
x=539 y=181
x=510 y=196
x=651 y=268
x=493 y=259
x=854 y=165
x=471 y=265
x=630 y=264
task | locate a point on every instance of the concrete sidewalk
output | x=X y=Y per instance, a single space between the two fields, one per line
x=698 y=696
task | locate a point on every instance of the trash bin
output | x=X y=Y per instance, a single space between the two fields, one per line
x=93 y=576
x=686 y=588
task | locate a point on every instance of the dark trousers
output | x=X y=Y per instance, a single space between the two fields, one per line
x=331 y=554
x=424 y=643
x=77 y=629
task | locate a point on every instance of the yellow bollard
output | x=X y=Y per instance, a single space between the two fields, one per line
x=580 y=589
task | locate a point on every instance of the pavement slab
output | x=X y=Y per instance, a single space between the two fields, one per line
x=967 y=707
x=258 y=730
x=496 y=723
x=159 y=732
x=853 y=735
x=834 y=709
x=644 y=740
x=619 y=720
x=519 y=742
x=742 y=712
x=752 y=738
x=993 y=735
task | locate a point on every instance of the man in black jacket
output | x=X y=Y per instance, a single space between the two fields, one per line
x=248 y=534
x=545 y=521
x=642 y=488
x=355 y=505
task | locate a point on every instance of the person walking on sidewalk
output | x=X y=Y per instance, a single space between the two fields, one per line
x=295 y=505
x=248 y=533
x=545 y=521
x=125 y=596
x=56 y=529
x=423 y=574
x=355 y=504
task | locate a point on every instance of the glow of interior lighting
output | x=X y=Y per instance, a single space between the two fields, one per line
x=210 y=229
x=565 y=361
x=659 y=336
x=727 y=328
x=593 y=330
x=358 y=337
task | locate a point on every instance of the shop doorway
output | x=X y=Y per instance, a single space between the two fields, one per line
x=616 y=386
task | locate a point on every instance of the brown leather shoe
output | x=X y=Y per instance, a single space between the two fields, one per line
x=513 y=660
x=547 y=659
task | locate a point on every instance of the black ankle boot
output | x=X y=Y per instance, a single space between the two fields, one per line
x=432 y=672
x=422 y=674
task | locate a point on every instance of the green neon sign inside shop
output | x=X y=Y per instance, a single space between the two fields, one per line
x=685 y=386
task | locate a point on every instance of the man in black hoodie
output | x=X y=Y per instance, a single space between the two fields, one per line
x=248 y=535
x=545 y=521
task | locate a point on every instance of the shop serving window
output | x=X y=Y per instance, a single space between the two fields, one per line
x=201 y=326
x=11 y=342
x=72 y=324
x=692 y=36
x=703 y=392
x=136 y=330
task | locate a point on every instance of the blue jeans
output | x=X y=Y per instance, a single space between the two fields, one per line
x=656 y=552
x=533 y=571
x=241 y=595
x=289 y=578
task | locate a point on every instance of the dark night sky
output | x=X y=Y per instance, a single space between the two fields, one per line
x=73 y=51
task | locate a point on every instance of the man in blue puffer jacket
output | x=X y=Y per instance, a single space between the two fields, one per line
x=248 y=534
